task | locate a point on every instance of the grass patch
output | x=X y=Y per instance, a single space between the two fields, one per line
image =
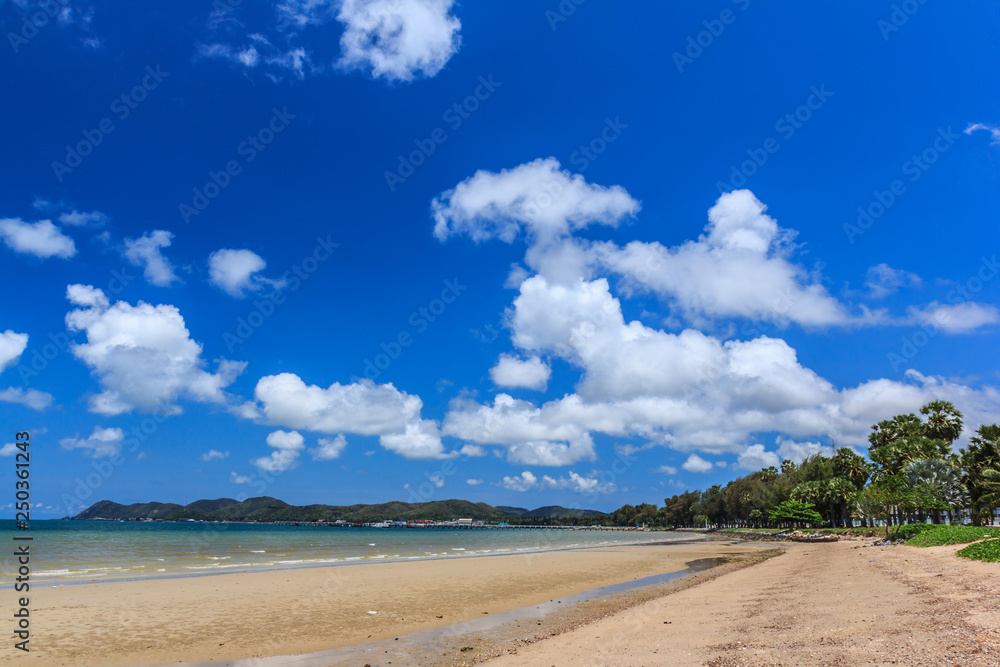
x=988 y=551
x=939 y=535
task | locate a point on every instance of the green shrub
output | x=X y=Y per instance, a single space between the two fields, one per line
x=913 y=529
x=940 y=535
x=988 y=551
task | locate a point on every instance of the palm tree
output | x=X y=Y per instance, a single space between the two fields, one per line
x=990 y=500
x=944 y=422
x=944 y=477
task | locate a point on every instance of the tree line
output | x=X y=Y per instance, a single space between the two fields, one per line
x=910 y=474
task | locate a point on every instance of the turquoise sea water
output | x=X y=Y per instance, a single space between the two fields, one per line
x=101 y=550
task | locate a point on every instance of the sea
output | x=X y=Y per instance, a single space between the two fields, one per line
x=90 y=551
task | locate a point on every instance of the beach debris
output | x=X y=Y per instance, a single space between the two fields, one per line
x=373 y=612
x=467 y=648
x=440 y=617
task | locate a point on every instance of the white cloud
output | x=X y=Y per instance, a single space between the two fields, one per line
x=524 y=482
x=755 y=457
x=437 y=480
x=740 y=267
x=510 y=371
x=11 y=346
x=957 y=319
x=30 y=398
x=398 y=39
x=470 y=482
x=472 y=450
x=288 y=445
x=236 y=478
x=143 y=355
x=236 y=272
x=214 y=455
x=695 y=463
x=82 y=219
x=883 y=280
x=797 y=452
x=666 y=470
x=146 y=253
x=362 y=407
x=9 y=449
x=575 y=483
x=41 y=239
x=538 y=198
x=103 y=442
x=992 y=129
x=329 y=448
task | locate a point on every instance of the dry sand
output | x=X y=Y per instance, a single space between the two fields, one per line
x=230 y=616
x=843 y=603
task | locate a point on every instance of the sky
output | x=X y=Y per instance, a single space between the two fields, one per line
x=525 y=253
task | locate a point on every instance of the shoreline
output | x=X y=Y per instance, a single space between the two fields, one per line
x=293 y=612
x=51 y=581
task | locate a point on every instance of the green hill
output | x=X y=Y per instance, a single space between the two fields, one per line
x=266 y=509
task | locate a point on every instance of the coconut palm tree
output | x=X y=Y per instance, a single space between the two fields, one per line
x=990 y=499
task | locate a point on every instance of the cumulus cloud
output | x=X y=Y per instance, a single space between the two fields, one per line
x=539 y=199
x=797 y=452
x=143 y=355
x=510 y=371
x=666 y=470
x=102 y=443
x=30 y=398
x=329 y=448
x=755 y=457
x=236 y=478
x=883 y=280
x=363 y=407
x=576 y=483
x=522 y=482
x=146 y=252
x=470 y=482
x=10 y=449
x=287 y=445
x=740 y=267
x=41 y=239
x=472 y=450
x=237 y=272
x=214 y=455
x=12 y=344
x=955 y=318
x=695 y=463
x=398 y=40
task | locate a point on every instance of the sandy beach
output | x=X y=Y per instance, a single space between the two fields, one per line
x=843 y=603
x=232 y=616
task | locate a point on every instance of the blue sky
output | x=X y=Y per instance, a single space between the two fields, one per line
x=517 y=252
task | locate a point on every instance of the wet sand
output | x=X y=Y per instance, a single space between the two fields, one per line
x=246 y=615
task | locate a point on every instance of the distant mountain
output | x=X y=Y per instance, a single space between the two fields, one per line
x=266 y=509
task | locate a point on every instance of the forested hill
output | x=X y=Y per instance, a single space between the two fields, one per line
x=266 y=509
